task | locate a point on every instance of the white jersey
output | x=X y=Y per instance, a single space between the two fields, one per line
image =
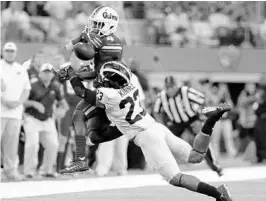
x=123 y=109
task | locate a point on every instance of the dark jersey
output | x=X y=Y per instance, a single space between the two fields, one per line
x=107 y=48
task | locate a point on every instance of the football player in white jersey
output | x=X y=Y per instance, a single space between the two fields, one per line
x=160 y=147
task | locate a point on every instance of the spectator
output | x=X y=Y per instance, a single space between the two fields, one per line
x=203 y=32
x=16 y=24
x=221 y=24
x=15 y=89
x=219 y=19
x=262 y=31
x=260 y=128
x=58 y=10
x=247 y=117
x=242 y=35
x=219 y=94
x=33 y=65
x=39 y=123
x=176 y=24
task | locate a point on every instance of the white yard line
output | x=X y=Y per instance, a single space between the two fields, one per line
x=38 y=188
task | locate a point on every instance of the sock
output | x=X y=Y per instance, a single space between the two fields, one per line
x=194 y=184
x=80 y=146
x=208 y=126
x=209 y=190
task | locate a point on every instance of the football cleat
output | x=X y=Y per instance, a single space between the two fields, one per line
x=216 y=112
x=226 y=196
x=77 y=165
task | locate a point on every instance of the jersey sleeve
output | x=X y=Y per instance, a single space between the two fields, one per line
x=95 y=41
x=107 y=96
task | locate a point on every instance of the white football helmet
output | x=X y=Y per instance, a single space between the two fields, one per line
x=103 y=21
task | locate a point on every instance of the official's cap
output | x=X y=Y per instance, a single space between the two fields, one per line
x=10 y=46
x=46 y=67
x=169 y=81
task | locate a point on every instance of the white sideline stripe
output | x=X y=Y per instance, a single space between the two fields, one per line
x=38 y=188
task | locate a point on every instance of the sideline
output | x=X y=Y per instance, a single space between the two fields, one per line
x=38 y=188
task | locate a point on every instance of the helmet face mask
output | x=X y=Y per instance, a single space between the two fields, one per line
x=115 y=74
x=103 y=21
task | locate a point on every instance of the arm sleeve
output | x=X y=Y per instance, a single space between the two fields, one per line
x=87 y=75
x=82 y=92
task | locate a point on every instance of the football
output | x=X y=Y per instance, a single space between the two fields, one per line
x=84 y=51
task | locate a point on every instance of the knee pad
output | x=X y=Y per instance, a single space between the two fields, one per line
x=196 y=157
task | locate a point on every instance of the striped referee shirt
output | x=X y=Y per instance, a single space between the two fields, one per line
x=182 y=107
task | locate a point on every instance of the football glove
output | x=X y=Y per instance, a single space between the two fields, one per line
x=92 y=38
x=65 y=72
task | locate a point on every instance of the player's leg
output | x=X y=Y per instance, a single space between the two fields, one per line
x=212 y=162
x=192 y=183
x=210 y=157
x=104 y=158
x=90 y=121
x=202 y=140
x=92 y=154
x=79 y=120
x=183 y=151
x=159 y=157
x=120 y=155
x=79 y=123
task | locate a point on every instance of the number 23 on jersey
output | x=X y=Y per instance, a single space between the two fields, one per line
x=134 y=104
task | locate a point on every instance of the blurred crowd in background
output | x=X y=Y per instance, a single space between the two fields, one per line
x=179 y=24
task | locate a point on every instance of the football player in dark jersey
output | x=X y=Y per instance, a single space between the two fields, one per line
x=87 y=119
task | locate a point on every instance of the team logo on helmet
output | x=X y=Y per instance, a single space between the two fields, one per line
x=229 y=57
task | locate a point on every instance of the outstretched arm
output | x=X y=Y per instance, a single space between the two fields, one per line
x=67 y=73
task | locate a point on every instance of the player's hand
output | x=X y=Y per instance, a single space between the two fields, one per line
x=65 y=72
x=92 y=38
x=84 y=37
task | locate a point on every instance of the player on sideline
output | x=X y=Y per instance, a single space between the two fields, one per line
x=88 y=119
x=119 y=97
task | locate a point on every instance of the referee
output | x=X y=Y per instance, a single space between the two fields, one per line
x=178 y=108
